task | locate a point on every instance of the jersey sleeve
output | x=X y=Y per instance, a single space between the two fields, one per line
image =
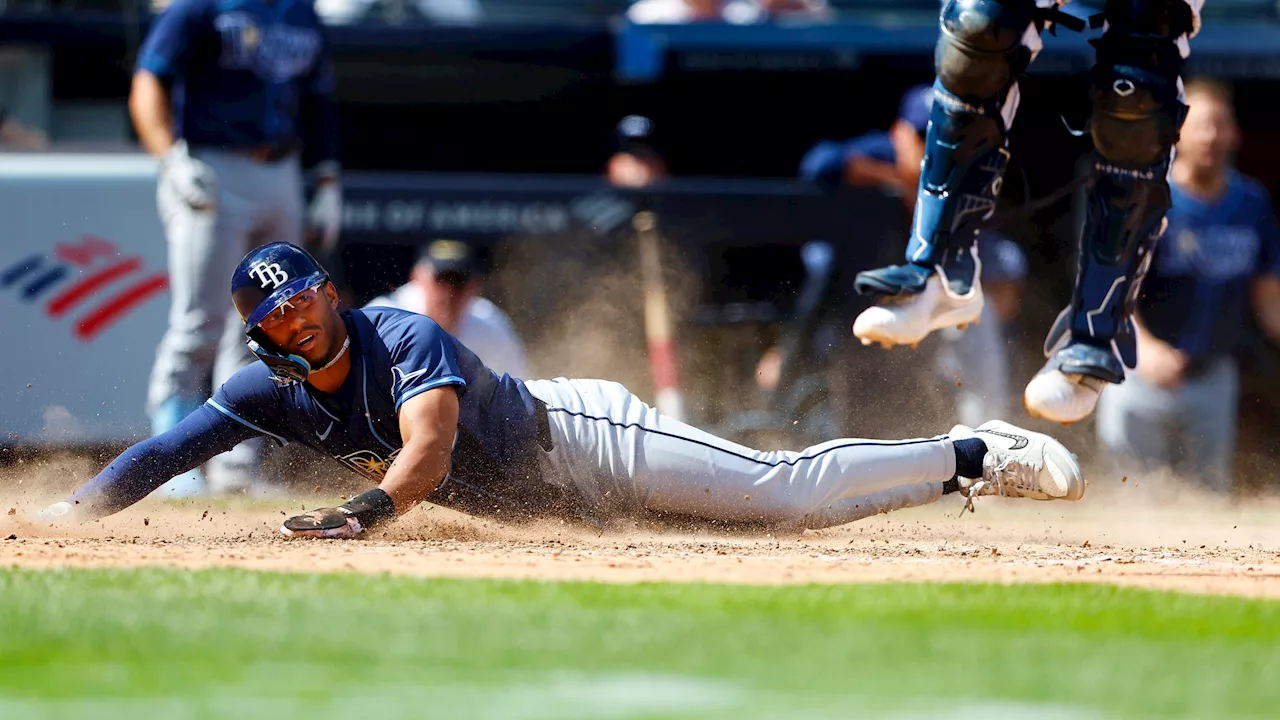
x=422 y=358
x=249 y=399
x=874 y=145
x=138 y=471
x=164 y=52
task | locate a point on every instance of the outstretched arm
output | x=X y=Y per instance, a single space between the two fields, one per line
x=151 y=463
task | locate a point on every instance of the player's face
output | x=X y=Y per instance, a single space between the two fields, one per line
x=447 y=296
x=1209 y=134
x=306 y=324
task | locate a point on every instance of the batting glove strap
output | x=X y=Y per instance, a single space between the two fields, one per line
x=371 y=509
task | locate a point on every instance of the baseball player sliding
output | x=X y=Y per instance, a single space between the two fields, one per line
x=389 y=394
x=220 y=95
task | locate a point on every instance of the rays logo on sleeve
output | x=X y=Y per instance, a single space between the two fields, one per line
x=400 y=378
x=368 y=463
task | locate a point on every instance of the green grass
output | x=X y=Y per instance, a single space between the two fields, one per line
x=170 y=644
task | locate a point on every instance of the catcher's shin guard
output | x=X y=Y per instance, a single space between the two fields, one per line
x=979 y=56
x=1136 y=117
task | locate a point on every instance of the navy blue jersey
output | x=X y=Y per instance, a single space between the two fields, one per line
x=395 y=355
x=242 y=72
x=1197 y=292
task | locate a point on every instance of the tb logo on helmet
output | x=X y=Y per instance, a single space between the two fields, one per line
x=269 y=274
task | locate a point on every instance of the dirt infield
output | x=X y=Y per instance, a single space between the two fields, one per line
x=1122 y=533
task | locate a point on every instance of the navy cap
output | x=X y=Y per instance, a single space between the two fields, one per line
x=635 y=128
x=450 y=256
x=916 y=106
x=634 y=135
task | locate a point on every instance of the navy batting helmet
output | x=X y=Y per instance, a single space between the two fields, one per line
x=264 y=281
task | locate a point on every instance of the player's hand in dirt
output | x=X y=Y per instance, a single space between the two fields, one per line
x=322 y=523
x=59 y=513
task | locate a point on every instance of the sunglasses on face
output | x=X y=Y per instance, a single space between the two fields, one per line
x=298 y=303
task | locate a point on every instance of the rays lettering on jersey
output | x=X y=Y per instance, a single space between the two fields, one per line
x=1217 y=252
x=368 y=463
x=277 y=53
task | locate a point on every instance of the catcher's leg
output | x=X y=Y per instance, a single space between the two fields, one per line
x=983 y=47
x=1137 y=113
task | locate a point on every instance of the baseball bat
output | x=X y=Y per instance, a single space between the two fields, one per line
x=659 y=329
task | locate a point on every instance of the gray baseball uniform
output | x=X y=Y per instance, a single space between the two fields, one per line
x=239 y=81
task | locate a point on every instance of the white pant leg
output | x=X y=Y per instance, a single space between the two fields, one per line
x=204 y=248
x=976 y=362
x=273 y=213
x=843 y=512
x=621 y=455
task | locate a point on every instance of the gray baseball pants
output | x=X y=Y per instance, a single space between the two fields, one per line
x=1190 y=431
x=621 y=455
x=257 y=203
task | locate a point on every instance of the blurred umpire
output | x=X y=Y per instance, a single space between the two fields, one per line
x=219 y=95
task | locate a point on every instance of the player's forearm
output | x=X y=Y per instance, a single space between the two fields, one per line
x=1266 y=303
x=138 y=471
x=865 y=172
x=152 y=117
x=418 y=470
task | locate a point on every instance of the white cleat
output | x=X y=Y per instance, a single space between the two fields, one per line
x=1062 y=397
x=1021 y=464
x=907 y=320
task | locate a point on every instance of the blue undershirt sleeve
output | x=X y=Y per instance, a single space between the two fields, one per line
x=151 y=463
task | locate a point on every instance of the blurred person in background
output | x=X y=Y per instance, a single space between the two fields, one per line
x=977 y=358
x=984 y=48
x=635 y=160
x=737 y=12
x=446 y=284
x=221 y=95
x=14 y=135
x=1177 y=410
x=888 y=159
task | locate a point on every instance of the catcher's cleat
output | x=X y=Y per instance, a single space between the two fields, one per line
x=1021 y=464
x=906 y=319
x=1067 y=389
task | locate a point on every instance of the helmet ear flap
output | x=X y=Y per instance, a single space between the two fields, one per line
x=285 y=369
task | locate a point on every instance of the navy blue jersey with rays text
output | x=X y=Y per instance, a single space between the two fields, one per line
x=395 y=355
x=1196 y=295
x=241 y=72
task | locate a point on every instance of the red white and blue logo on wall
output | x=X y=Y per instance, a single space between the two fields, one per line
x=85 y=283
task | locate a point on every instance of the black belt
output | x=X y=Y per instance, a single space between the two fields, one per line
x=273 y=153
x=264 y=153
x=544 y=426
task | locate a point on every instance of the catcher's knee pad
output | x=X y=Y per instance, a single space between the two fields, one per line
x=979 y=57
x=980 y=51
